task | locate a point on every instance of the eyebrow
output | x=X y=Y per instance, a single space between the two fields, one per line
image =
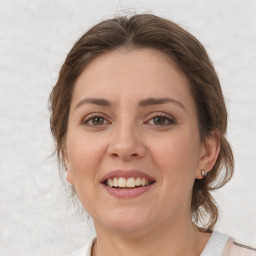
x=142 y=103
x=158 y=101
x=99 y=102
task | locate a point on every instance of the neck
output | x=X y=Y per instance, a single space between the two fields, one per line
x=173 y=240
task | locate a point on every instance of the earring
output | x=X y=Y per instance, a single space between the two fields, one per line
x=204 y=173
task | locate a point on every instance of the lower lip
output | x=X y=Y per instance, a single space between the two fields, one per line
x=127 y=193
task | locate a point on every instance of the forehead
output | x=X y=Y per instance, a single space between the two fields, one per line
x=134 y=74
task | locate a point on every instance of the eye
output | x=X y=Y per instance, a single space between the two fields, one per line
x=95 y=121
x=161 y=120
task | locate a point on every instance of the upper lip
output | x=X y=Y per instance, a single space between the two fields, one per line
x=126 y=174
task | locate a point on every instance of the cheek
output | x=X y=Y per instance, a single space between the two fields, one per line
x=84 y=153
x=177 y=157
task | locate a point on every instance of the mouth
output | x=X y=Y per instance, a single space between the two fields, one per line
x=127 y=183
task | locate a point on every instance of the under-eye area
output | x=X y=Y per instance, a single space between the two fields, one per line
x=121 y=182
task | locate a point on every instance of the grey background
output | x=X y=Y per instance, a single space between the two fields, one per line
x=35 y=36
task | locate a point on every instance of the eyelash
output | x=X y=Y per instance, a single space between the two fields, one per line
x=91 y=118
x=170 y=121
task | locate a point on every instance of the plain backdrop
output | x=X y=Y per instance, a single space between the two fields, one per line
x=35 y=36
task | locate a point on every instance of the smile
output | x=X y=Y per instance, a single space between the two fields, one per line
x=120 y=182
x=127 y=183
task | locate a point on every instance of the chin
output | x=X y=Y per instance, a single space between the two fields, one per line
x=127 y=221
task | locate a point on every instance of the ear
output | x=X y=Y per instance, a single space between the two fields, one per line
x=69 y=176
x=209 y=152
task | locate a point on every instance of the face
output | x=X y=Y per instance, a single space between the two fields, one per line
x=132 y=148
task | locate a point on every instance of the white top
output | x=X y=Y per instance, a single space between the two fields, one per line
x=218 y=245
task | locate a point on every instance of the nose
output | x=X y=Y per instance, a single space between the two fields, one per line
x=126 y=143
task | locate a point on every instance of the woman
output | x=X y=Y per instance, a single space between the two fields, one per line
x=139 y=121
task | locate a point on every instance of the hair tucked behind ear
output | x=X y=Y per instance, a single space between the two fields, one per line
x=143 y=31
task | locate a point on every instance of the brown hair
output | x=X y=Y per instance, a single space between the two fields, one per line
x=146 y=30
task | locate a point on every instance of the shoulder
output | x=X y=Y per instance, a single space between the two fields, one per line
x=234 y=248
x=85 y=250
x=241 y=250
x=221 y=244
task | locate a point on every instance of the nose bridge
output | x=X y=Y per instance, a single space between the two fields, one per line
x=125 y=133
x=126 y=141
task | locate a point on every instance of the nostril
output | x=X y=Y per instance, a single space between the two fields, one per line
x=116 y=155
x=126 y=151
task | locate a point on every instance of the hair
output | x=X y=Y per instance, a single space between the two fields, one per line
x=150 y=31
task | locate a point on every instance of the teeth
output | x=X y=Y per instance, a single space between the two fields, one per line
x=122 y=182
x=129 y=183
x=115 y=182
x=110 y=182
x=138 y=181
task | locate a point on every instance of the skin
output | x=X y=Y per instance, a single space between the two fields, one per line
x=129 y=136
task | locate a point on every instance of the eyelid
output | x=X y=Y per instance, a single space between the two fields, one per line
x=88 y=117
x=162 y=114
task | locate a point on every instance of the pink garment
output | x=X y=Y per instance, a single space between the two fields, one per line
x=219 y=244
x=235 y=249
